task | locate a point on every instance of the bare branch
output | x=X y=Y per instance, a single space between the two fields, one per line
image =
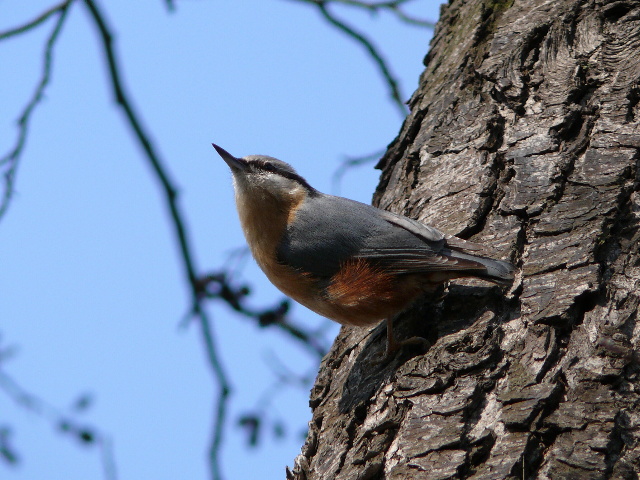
x=63 y=422
x=373 y=5
x=418 y=22
x=220 y=409
x=286 y=376
x=57 y=9
x=254 y=420
x=393 y=7
x=9 y=162
x=218 y=286
x=171 y=6
x=179 y=225
x=381 y=63
x=351 y=162
x=7 y=451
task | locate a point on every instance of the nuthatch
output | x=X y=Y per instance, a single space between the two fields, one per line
x=348 y=261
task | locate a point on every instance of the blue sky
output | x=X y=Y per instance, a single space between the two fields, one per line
x=91 y=288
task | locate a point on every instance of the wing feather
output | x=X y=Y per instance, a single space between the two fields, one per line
x=328 y=231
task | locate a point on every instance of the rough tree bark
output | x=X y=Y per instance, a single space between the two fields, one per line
x=523 y=134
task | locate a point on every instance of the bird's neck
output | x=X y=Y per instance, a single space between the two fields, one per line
x=264 y=219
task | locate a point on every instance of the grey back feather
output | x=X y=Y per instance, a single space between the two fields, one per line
x=328 y=231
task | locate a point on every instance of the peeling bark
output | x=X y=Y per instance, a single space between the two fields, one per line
x=523 y=135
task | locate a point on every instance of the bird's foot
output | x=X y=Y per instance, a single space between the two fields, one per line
x=393 y=346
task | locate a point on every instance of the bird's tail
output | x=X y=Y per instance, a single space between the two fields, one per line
x=497 y=271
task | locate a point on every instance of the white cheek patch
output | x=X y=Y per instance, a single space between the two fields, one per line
x=261 y=187
x=277 y=183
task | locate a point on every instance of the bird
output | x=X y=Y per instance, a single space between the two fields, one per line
x=348 y=261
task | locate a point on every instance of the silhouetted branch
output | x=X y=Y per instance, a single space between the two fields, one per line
x=7 y=450
x=255 y=420
x=286 y=376
x=415 y=21
x=376 y=56
x=63 y=422
x=351 y=162
x=394 y=7
x=217 y=285
x=55 y=10
x=177 y=219
x=9 y=162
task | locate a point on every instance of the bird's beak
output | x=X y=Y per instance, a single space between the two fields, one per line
x=233 y=162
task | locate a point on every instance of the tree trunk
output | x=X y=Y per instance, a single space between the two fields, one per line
x=523 y=135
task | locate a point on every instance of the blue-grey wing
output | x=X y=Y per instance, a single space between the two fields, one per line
x=328 y=231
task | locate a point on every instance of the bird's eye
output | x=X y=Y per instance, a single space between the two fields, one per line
x=268 y=167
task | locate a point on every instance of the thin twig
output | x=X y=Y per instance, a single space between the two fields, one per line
x=220 y=409
x=255 y=419
x=177 y=220
x=286 y=376
x=56 y=9
x=56 y=417
x=393 y=7
x=380 y=62
x=418 y=22
x=218 y=286
x=351 y=162
x=108 y=458
x=9 y=162
x=306 y=338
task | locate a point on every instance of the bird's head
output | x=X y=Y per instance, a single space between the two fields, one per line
x=257 y=176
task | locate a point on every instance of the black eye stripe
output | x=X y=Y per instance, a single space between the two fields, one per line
x=266 y=166
x=270 y=167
